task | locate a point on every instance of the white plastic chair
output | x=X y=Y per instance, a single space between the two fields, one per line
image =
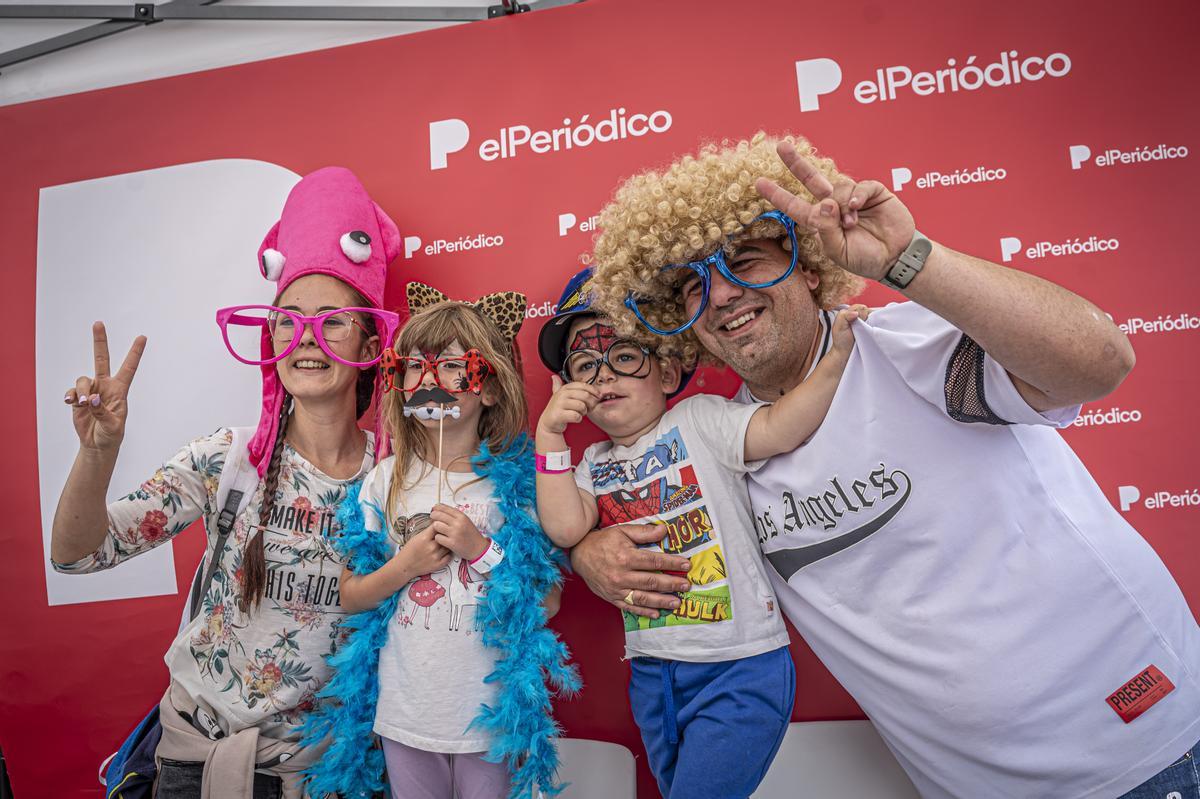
x=595 y=770
x=825 y=759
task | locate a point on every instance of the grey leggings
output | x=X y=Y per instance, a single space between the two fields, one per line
x=417 y=774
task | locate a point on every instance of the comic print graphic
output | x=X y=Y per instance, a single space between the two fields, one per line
x=661 y=487
x=697 y=607
x=660 y=496
x=687 y=531
x=708 y=567
x=667 y=451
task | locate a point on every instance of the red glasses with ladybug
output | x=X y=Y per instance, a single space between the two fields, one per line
x=454 y=373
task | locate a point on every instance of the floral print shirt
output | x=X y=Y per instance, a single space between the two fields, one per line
x=260 y=667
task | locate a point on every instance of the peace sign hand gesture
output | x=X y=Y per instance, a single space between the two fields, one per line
x=98 y=404
x=863 y=227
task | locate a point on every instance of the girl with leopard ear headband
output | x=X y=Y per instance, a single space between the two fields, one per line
x=443 y=663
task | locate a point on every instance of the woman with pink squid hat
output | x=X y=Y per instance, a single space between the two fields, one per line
x=265 y=610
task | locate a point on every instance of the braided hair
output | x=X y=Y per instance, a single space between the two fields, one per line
x=254 y=559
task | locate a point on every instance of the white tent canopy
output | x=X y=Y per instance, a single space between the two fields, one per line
x=112 y=53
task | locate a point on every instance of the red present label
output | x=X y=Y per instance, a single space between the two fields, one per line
x=1139 y=694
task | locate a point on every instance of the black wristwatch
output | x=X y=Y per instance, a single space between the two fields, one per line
x=909 y=263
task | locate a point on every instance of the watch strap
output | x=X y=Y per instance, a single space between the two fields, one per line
x=910 y=262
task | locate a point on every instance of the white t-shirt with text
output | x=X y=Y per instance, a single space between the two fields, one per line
x=968 y=582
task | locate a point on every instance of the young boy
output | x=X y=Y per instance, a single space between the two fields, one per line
x=712 y=682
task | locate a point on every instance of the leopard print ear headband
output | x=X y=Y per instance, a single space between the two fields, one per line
x=506 y=309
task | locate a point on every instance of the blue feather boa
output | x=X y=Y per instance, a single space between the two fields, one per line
x=531 y=662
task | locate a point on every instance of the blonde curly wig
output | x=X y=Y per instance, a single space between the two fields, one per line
x=685 y=212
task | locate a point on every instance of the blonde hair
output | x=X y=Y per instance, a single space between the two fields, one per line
x=684 y=213
x=500 y=425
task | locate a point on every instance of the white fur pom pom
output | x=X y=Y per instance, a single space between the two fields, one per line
x=272 y=264
x=356 y=245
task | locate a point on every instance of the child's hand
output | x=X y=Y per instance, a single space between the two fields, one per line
x=422 y=554
x=568 y=405
x=454 y=531
x=843 y=335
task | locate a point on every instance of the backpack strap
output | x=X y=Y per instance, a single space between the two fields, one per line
x=238 y=479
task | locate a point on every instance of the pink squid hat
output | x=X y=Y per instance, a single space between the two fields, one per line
x=329 y=226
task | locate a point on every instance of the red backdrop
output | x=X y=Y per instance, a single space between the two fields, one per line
x=73 y=678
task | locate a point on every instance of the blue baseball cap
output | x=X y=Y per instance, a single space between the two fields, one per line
x=574 y=302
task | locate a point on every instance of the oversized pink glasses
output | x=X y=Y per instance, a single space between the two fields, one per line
x=242 y=327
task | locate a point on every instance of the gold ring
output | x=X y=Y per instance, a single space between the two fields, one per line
x=628 y=600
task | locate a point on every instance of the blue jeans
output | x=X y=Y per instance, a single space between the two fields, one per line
x=179 y=779
x=1180 y=780
x=712 y=729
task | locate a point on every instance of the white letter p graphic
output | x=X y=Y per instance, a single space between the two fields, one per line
x=1009 y=246
x=1079 y=154
x=815 y=77
x=411 y=245
x=1127 y=495
x=565 y=223
x=446 y=136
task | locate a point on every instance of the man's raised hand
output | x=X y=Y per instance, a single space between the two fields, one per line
x=863 y=227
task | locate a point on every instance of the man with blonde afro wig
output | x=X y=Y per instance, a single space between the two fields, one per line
x=936 y=542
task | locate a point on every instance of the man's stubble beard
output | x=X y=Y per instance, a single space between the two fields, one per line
x=770 y=368
x=763 y=364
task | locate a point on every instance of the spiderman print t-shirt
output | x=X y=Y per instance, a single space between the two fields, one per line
x=432 y=667
x=688 y=475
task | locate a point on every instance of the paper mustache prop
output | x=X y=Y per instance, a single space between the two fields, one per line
x=417 y=404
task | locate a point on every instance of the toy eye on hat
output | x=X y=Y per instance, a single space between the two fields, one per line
x=356 y=245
